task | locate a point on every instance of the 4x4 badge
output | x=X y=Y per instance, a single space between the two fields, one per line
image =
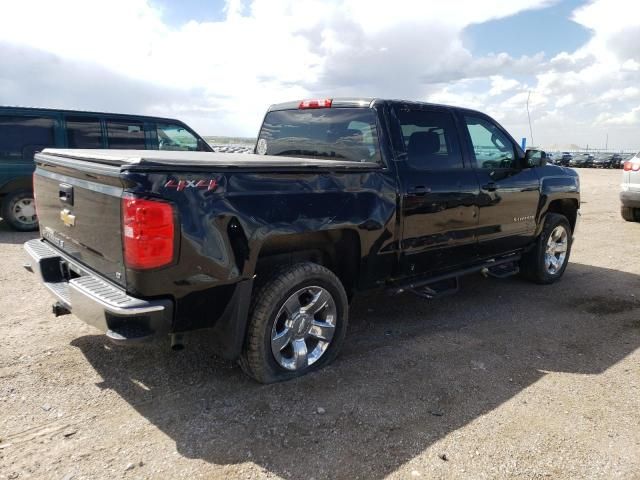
x=67 y=218
x=180 y=185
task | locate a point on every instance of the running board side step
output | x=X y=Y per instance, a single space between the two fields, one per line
x=437 y=289
x=501 y=271
x=438 y=286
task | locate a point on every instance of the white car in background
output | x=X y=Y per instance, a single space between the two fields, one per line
x=630 y=194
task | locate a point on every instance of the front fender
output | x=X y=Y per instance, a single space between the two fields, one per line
x=558 y=186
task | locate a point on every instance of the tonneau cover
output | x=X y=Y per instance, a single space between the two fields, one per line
x=130 y=159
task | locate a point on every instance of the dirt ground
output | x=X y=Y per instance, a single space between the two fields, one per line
x=503 y=380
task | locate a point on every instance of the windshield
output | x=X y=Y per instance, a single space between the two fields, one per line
x=328 y=133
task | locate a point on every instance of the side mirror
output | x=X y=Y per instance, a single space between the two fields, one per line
x=535 y=158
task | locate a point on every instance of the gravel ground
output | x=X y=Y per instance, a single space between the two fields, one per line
x=504 y=380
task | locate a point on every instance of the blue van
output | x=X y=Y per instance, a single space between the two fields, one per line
x=24 y=131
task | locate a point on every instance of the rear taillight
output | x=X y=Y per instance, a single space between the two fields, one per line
x=148 y=233
x=631 y=166
x=315 y=103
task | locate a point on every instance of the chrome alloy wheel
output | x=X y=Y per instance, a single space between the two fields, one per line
x=556 y=252
x=24 y=211
x=303 y=328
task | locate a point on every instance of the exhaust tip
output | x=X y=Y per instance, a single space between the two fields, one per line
x=58 y=309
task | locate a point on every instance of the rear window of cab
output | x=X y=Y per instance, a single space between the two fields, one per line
x=346 y=134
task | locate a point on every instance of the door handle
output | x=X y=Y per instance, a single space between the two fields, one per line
x=490 y=187
x=418 y=190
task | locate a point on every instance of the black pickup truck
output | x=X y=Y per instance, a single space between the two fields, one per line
x=267 y=249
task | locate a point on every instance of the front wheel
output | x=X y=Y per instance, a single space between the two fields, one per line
x=19 y=211
x=547 y=261
x=297 y=324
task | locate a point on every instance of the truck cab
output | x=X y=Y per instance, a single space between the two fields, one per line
x=466 y=189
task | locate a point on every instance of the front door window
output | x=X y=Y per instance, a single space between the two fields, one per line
x=492 y=149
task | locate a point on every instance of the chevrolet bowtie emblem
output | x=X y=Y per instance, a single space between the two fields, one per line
x=67 y=218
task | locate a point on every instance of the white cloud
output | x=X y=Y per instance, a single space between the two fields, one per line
x=220 y=76
x=500 y=85
x=632 y=117
x=628 y=93
x=565 y=100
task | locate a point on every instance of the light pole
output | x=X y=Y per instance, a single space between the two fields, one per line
x=529 y=117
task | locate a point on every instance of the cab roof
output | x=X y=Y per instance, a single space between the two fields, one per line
x=363 y=102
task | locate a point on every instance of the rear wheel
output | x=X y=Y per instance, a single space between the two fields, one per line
x=298 y=323
x=547 y=261
x=19 y=211
x=630 y=214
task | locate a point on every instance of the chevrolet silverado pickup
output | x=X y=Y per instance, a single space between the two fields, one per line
x=266 y=249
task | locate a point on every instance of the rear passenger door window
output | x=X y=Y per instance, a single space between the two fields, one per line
x=491 y=147
x=84 y=132
x=22 y=136
x=126 y=134
x=430 y=139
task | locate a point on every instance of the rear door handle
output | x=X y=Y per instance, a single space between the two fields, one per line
x=490 y=187
x=418 y=190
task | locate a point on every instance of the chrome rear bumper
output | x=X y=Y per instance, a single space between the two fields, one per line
x=94 y=300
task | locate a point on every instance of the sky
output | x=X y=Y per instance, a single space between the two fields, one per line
x=219 y=64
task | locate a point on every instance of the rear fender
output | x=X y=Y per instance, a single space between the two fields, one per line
x=337 y=249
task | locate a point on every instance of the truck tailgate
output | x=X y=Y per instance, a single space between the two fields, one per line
x=79 y=211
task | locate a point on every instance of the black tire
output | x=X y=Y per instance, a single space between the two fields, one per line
x=533 y=263
x=257 y=359
x=630 y=214
x=12 y=217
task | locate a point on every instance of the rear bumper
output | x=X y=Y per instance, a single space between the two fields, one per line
x=94 y=300
x=630 y=198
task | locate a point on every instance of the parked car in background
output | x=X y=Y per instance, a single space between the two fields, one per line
x=600 y=161
x=565 y=159
x=606 y=160
x=630 y=193
x=24 y=131
x=588 y=159
x=623 y=159
x=576 y=161
x=582 y=160
x=614 y=160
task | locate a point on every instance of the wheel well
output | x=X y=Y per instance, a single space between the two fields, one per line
x=337 y=250
x=21 y=183
x=567 y=207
